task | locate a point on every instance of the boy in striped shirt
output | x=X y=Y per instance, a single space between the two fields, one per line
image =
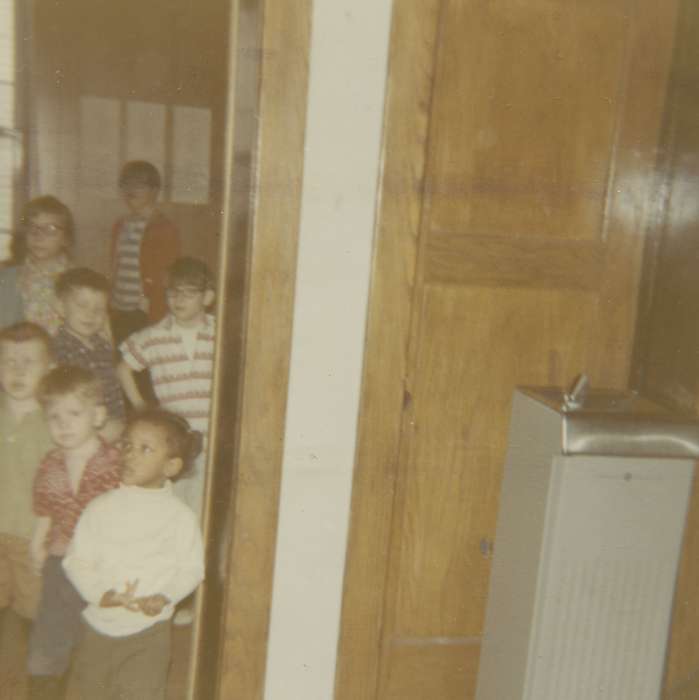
x=144 y=244
x=178 y=353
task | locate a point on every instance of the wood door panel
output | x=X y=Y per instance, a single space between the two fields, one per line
x=432 y=671
x=530 y=92
x=455 y=439
x=521 y=261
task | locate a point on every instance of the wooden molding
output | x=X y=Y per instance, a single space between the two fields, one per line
x=267 y=283
x=411 y=52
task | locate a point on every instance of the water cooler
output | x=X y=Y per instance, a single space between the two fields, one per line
x=589 y=534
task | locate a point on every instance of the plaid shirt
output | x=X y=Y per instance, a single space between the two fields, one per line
x=54 y=498
x=70 y=350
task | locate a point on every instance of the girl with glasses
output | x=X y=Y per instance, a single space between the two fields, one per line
x=40 y=255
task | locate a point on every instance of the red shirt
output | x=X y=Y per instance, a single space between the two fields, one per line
x=54 y=498
x=160 y=247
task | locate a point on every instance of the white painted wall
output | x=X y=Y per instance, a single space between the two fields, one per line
x=349 y=49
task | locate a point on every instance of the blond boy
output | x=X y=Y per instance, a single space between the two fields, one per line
x=81 y=467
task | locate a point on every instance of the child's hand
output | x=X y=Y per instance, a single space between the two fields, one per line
x=110 y=599
x=152 y=604
x=114 y=599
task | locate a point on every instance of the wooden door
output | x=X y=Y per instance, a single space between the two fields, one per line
x=519 y=151
x=668 y=332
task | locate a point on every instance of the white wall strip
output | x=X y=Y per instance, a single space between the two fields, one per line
x=348 y=59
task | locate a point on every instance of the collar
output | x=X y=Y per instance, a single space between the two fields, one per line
x=141 y=492
x=169 y=323
x=101 y=449
x=96 y=339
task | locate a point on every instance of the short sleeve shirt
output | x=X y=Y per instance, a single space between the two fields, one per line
x=100 y=359
x=54 y=497
x=182 y=382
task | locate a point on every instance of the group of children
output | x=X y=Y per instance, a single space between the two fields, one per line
x=101 y=492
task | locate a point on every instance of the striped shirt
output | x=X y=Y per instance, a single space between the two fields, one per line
x=127 y=292
x=54 y=497
x=182 y=383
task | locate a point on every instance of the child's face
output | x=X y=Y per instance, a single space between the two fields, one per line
x=73 y=420
x=22 y=365
x=85 y=311
x=46 y=236
x=146 y=459
x=139 y=199
x=188 y=302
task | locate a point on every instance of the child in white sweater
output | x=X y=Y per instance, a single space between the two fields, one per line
x=136 y=552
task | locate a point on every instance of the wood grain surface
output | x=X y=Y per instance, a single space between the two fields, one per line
x=269 y=275
x=520 y=145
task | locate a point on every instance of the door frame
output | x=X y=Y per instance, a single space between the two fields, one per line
x=385 y=396
x=256 y=278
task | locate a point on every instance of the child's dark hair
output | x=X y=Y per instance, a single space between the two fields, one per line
x=69 y=379
x=139 y=172
x=82 y=278
x=182 y=441
x=190 y=271
x=47 y=204
x=23 y=332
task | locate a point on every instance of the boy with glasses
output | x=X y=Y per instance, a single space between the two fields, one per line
x=178 y=353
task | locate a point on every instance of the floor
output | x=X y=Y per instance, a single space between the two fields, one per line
x=13 y=647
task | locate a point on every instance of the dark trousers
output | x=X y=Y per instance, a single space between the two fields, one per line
x=134 y=667
x=57 y=626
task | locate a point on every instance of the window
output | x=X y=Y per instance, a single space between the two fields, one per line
x=175 y=138
x=11 y=137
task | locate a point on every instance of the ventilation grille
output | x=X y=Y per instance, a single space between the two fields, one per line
x=605 y=625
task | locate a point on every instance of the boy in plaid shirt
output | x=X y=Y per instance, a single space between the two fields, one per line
x=81 y=467
x=84 y=338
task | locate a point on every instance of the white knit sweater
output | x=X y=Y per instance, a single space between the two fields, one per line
x=134 y=534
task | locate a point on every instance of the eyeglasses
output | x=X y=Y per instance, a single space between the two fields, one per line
x=44 y=230
x=184 y=292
